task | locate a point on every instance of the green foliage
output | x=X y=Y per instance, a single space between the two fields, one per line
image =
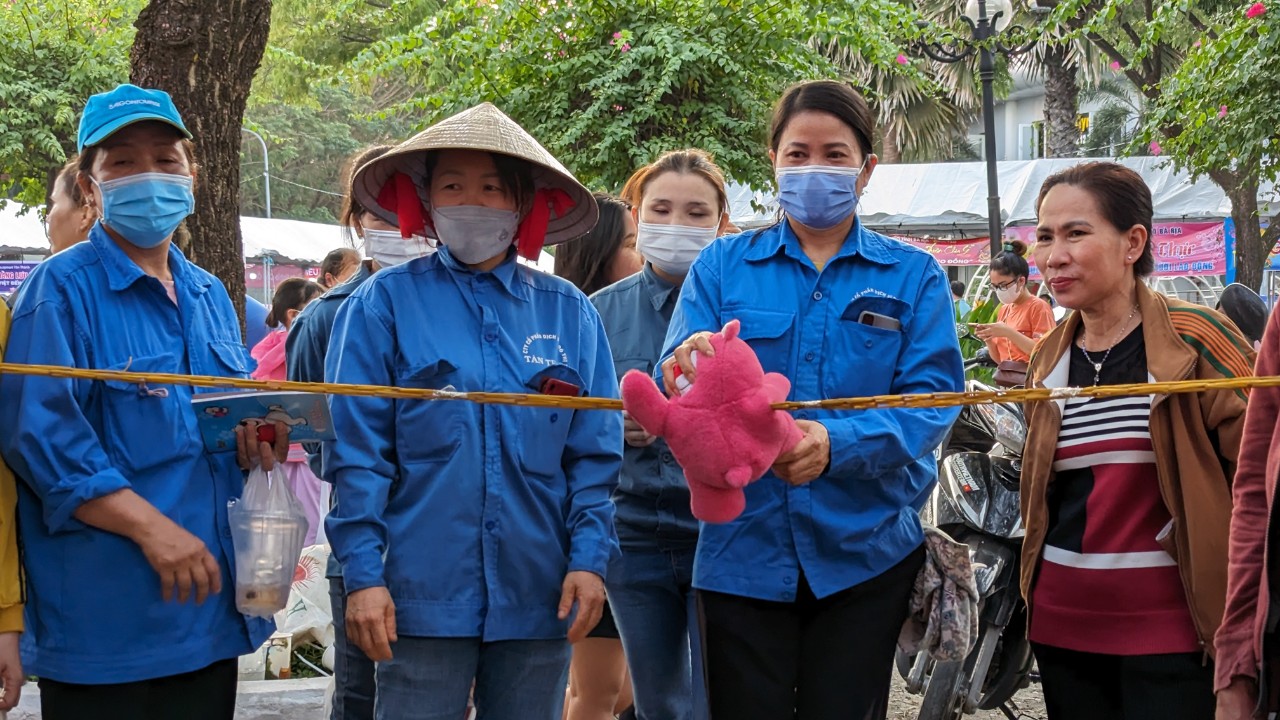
x=1219 y=109
x=53 y=56
x=982 y=312
x=607 y=85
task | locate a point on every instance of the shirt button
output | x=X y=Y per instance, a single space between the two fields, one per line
x=490 y=337
x=808 y=357
x=667 y=458
x=789 y=580
x=490 y=525
x=817 y=295
x=868 y=343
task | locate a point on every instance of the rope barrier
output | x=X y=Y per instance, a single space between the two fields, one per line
x=919 y=400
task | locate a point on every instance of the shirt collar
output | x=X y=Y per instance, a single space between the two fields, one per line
x=123 y=272
x=507 y=273
x=659 y=290
x=781 y=238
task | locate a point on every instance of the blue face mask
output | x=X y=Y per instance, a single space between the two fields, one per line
x=146 y=208
x=818 y=196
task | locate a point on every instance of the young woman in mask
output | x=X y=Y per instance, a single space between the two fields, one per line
x=804 y=594
x=605 y=255
x=123 y=513
x=305 y=351
x=1022 y=318
x=679 y=204
x=473 y=538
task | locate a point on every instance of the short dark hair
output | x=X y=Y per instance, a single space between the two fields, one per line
x=957 y=288
x=336 y=261
x=516 y=175
x=1012 y=260
x=292 y=294
x=1122 y=196
x=585 y=261
x=828 y=96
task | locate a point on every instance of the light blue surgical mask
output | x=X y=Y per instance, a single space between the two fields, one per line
x=146 y=208
x=818 y=196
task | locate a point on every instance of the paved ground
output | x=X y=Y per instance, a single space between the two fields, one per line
x=904 y=707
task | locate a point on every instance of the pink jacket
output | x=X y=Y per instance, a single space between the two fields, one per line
x=1239 y=639
x=270 y=356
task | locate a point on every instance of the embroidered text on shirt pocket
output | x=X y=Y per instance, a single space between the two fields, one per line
x=146 y=426
x=768 y=332
x=429 y=430
x=543 y=432
x=861 y=359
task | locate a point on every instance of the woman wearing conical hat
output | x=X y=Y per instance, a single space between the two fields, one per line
x=473 y=538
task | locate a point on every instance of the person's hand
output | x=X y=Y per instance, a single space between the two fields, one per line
x=371 y=622
x=809 y=458
x=1237 y=701
x=634 y=434
x=698 y=342
x=10 y=671
x=988 y=331
x=182 y=561
x=585 y=589
x=250 y=452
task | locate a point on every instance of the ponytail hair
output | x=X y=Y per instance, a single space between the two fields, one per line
x=1012 y=261
x=292 y=294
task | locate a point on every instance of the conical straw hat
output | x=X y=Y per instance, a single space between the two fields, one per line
x=483 y=127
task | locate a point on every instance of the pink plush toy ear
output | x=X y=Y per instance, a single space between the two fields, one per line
x=731 y=330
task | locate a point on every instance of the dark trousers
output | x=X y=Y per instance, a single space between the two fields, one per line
x=354 y=685
x=810 y=659
x=1138 y=687
x=205 y=694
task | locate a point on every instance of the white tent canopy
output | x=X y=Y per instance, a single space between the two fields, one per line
x=951 y=197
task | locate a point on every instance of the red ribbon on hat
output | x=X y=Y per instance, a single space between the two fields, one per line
x=399 y=195
x=532 y=232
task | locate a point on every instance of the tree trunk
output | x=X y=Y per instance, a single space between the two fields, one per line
x=892 y=152
x=1061 y=103
x=204 y=53
x=1252 y=247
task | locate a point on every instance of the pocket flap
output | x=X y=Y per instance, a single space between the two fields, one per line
x=232 y=357
x=761 y=324
x=563 y=373
x=425 y=375
x=164 y=363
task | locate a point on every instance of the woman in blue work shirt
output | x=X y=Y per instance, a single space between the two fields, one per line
x=469 y=533
x=123 y=512
x=805 y=593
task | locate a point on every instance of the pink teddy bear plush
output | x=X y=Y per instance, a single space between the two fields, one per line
x=722 y=430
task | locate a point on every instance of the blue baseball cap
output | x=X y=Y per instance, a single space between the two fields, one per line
x=107 y=112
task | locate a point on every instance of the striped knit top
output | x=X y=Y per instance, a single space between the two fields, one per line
x=1105 y=585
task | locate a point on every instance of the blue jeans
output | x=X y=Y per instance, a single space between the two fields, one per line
x=353 y=681
x=430 y=679
x=651 y=593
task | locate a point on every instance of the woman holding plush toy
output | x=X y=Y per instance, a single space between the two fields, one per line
x=805 y=592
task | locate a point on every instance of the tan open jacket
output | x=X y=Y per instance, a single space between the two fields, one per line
x=1196 y=438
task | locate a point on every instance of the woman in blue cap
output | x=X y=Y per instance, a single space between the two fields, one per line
x=123 y=514
x=469 y=533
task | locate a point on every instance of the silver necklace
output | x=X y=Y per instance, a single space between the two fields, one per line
x=1097 y=364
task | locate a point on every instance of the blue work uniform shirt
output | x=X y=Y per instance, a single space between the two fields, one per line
x=471 y=515
x=652 y=499
x=95 y=613
x=860 y=517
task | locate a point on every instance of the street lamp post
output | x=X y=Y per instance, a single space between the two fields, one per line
x=987 y=19
x=266 y=167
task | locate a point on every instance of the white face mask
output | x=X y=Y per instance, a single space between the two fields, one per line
x=388 y=249
x=1009 y=294
x=475 y=233
x=672 y=248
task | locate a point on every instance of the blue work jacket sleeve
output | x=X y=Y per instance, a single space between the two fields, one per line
x=593 y=457
x=304 y=352
x=697 y=310
x=52 y=445
x=361 y=463
x=870 y=443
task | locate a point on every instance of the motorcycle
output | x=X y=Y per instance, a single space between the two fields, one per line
x=976 y=502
